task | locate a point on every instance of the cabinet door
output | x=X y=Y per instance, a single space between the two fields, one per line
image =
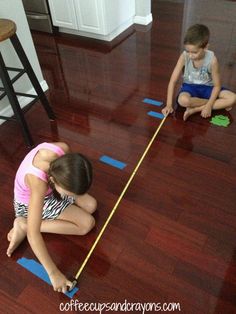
x=90 y=15
x=63 y=13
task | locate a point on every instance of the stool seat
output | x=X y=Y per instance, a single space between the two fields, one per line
x=7 y=29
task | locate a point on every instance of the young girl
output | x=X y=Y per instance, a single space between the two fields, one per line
x=50 y=196
x=201 y=90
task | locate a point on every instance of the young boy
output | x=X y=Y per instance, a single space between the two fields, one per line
x=201 y=90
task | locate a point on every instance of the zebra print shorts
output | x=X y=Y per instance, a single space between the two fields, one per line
x=52 y=207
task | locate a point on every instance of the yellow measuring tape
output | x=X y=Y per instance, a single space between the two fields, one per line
x=116 y=204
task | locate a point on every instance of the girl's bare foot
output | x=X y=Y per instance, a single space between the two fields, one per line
x=16 y=235
x=9 y=235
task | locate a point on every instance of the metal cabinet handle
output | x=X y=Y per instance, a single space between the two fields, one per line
x=37 y=17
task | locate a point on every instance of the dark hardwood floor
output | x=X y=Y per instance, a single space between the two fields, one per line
x=172 y=238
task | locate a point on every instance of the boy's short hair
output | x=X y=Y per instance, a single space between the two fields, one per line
x=198 y=35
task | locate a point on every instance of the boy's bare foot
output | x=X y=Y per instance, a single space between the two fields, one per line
x=188 y=112
x=228 y=108
x=16 y=234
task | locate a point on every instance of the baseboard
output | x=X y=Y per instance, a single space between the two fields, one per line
x=108 y=37
x=143 y=20
x=23 y=101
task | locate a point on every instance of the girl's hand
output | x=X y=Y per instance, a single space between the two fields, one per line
x=167 y=110
x=206 y=111
x=59 y=281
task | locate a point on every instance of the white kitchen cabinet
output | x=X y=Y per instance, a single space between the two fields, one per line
x=103 y=16
x=90 y=16
x=63 y=13
x=101 y=19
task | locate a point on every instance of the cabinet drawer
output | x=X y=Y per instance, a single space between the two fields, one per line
x=39 y=22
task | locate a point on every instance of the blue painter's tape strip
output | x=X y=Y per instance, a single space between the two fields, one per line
x=156 y=114
x=153 y=102
x=39 y=271
x=113 y=162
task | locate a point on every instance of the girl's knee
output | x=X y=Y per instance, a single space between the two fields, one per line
x=91 y=205
x=88 y=225
x=87 y=202
x=91 y=223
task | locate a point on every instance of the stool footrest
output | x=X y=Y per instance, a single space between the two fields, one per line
x=17 y=76
x=24 y=110
x=13 y=96
x=14 y=69
x=18 y=94
x=13 y=80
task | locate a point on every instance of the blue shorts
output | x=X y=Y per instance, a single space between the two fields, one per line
x=198 y=90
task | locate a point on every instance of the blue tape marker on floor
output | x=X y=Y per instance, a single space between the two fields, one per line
x=39 y=271
x=113 y=162
x=156 y=114
x=152 y=102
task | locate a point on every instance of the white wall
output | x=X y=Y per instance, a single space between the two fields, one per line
x=118 y=12
x=143 y=13
x=13 y=10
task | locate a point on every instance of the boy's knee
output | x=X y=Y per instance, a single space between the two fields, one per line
x=234 y=99
x=230 y=99
x=184 y=100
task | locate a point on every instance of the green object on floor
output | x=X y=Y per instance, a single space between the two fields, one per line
x=220 y=120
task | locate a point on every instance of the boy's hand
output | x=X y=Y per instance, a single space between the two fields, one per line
x=206 y=111
x=59 y=281
x=167 y=110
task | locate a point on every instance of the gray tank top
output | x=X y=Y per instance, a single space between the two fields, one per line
x=200 y=75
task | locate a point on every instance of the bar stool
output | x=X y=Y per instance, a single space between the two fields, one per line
x=8 y=31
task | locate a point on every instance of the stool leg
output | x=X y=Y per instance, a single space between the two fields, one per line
x=6 y=81
x=29 y=70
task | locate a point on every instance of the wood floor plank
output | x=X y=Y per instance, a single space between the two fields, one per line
x=9 y=305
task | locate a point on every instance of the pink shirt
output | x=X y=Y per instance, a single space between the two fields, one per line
x=21 y=190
